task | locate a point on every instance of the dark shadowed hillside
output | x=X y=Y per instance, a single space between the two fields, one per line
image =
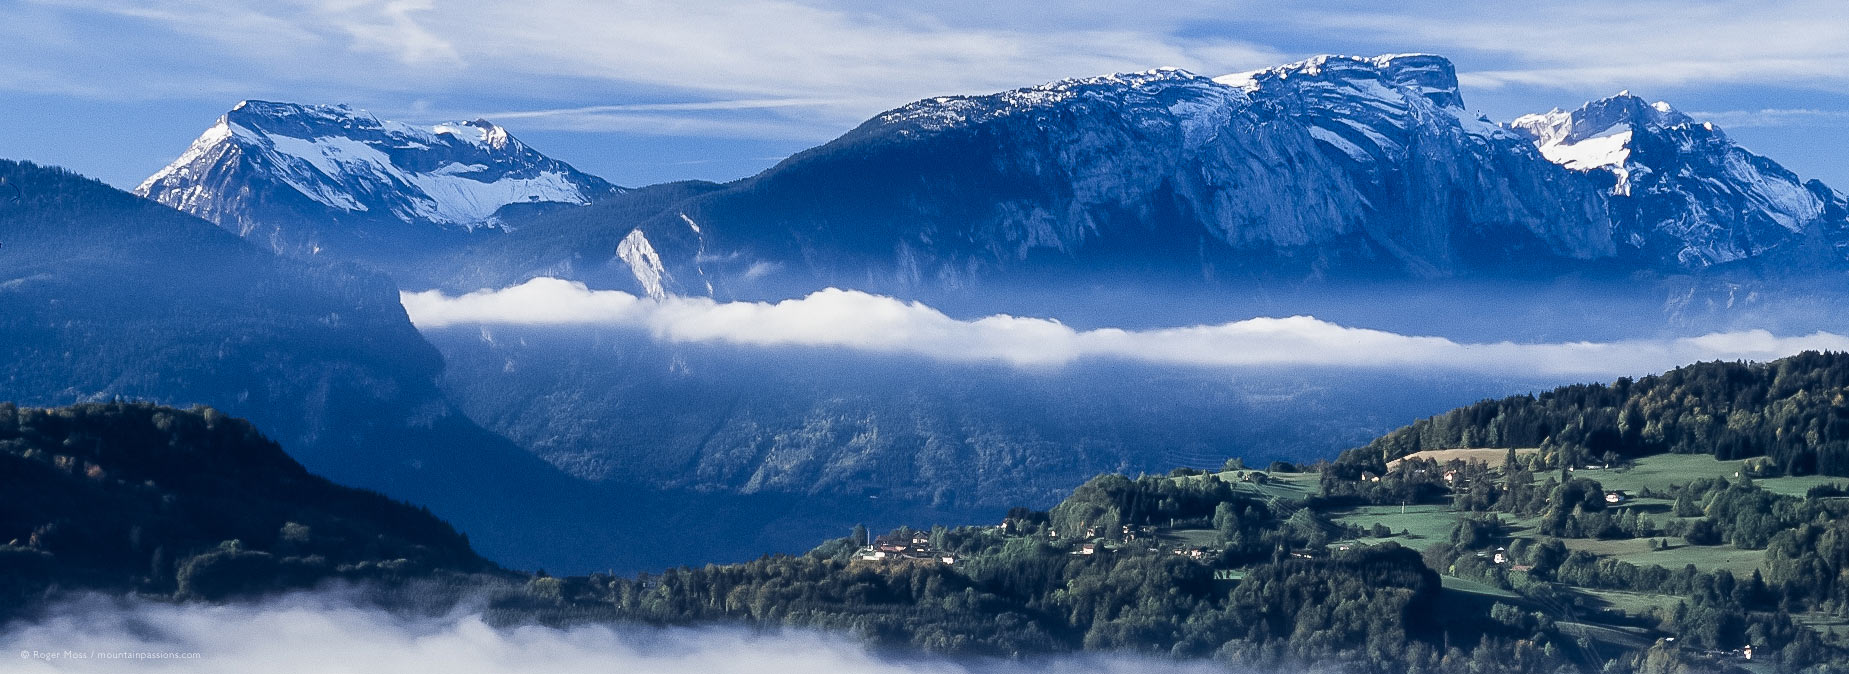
x=164 y=501
x=105 y=295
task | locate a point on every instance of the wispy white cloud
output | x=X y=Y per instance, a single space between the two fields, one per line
x=1771 y=117
x=756 y=118
x=708 y=54
x=814 y=50
x=860 y=321
x=1618 y=45
x=745 y=104
x=314 y=633
x=758 y=127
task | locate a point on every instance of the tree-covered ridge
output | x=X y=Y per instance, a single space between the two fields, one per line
x=1793 y=411
x=1371 y=609
x=1248 y=584
x=189 y=502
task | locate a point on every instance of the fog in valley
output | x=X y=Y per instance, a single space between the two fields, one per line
x=333 y=631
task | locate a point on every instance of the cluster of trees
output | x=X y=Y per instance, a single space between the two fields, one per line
x=1810 y=562
x=1610 y=524
x=1105 y=504
x=1517 y=493
x=1368 y=605
x=1794 y=412
x=190 y=502
x=1577 y=509
x=1407 y=482
x=1249 y=529
x=1747 y=517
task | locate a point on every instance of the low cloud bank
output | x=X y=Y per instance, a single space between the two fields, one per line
x=873 y=323
x=324 y=632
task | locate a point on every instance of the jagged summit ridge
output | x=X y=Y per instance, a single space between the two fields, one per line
x=1598 y=134
x=1367 y=106
x=1599 y=118
x=1432 y=77
x=265 y=167
x=1174 y=89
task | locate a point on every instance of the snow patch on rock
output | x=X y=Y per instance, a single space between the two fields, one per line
x=644 y=262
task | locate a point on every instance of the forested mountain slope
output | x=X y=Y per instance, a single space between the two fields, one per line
x=1793 y=411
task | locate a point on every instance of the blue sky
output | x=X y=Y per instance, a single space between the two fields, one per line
x=647 y=92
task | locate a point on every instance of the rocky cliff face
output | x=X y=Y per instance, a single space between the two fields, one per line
x=1335 y=167
x=304 y=179
x=1332 y=166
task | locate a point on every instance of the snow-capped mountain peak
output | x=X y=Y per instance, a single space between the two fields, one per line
x=1683 y=188
x=480 y=132
x=284 y=171
x=1599 y=133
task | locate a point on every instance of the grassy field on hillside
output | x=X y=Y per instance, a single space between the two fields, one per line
x=1635 y=603
x=1432 y=523
x=1294 y=487
x=1193 y=538
x=1427 y=523
x=1704 y=557
x=1456 y=584
x=1663 y=470
x=1421 y=526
